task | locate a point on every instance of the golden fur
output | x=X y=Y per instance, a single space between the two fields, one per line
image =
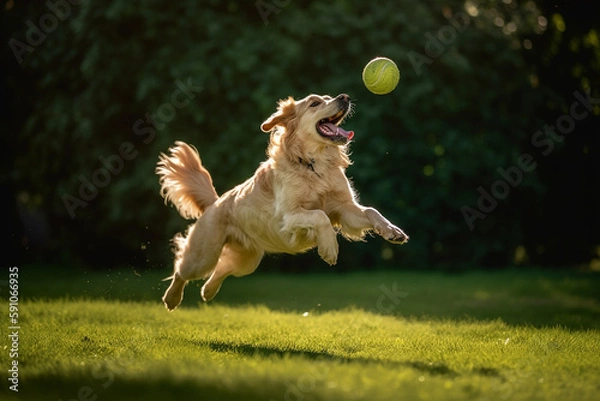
x=298 y=199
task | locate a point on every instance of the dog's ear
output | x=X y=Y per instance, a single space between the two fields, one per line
x=285 y=112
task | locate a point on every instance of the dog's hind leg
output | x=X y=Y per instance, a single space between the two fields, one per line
x=197 y=255
x=174 y=293
x=235 y=261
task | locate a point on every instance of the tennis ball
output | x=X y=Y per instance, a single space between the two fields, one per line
x=381 y=75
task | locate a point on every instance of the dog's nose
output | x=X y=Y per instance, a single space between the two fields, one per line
x=344 y=97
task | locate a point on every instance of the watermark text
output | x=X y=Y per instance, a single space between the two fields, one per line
x=13 y=328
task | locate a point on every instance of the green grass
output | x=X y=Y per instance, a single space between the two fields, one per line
x=527 y=335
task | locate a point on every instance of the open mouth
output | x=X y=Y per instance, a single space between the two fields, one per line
x=330 y=129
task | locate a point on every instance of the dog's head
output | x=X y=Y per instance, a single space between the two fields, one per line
x=316 y=117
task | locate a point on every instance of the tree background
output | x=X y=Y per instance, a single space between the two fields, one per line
x=82 y=79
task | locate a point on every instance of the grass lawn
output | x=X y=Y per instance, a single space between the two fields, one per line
x=507 y=335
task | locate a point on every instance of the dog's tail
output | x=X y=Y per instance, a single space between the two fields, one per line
x=184 y=181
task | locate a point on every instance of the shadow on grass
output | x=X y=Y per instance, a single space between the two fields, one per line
x=430 y=368
x=161 y=385
x=161 y=388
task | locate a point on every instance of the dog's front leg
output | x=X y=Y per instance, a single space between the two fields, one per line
x=383 y=227
x=305 y=228
x=355 y=220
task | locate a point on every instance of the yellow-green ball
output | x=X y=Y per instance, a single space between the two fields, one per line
x=381 y=75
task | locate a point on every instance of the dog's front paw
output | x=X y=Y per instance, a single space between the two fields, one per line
x=329 y=253
x=393 y=234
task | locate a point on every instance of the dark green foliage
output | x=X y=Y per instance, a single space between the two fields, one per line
x=463 y=109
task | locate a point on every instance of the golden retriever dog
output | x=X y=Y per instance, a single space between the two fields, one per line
x=298 y=199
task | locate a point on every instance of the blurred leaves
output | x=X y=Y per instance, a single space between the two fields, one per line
x=419 y=154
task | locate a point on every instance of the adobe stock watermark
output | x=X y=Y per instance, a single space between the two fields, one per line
x=543 y=140
x=390 y=298
x=104 y=377
x=306 y=384
x=438 y=42
x=267 y=7
x=113 y=164
x=35 y=36
x=14 y=329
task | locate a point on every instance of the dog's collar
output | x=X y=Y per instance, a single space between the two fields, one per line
x=310 y=163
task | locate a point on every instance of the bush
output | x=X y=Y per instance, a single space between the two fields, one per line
x=113 y=86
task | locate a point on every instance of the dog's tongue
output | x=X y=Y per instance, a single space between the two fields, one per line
x=335 y=130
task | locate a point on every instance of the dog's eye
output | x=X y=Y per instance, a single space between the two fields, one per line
x=315 y=104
